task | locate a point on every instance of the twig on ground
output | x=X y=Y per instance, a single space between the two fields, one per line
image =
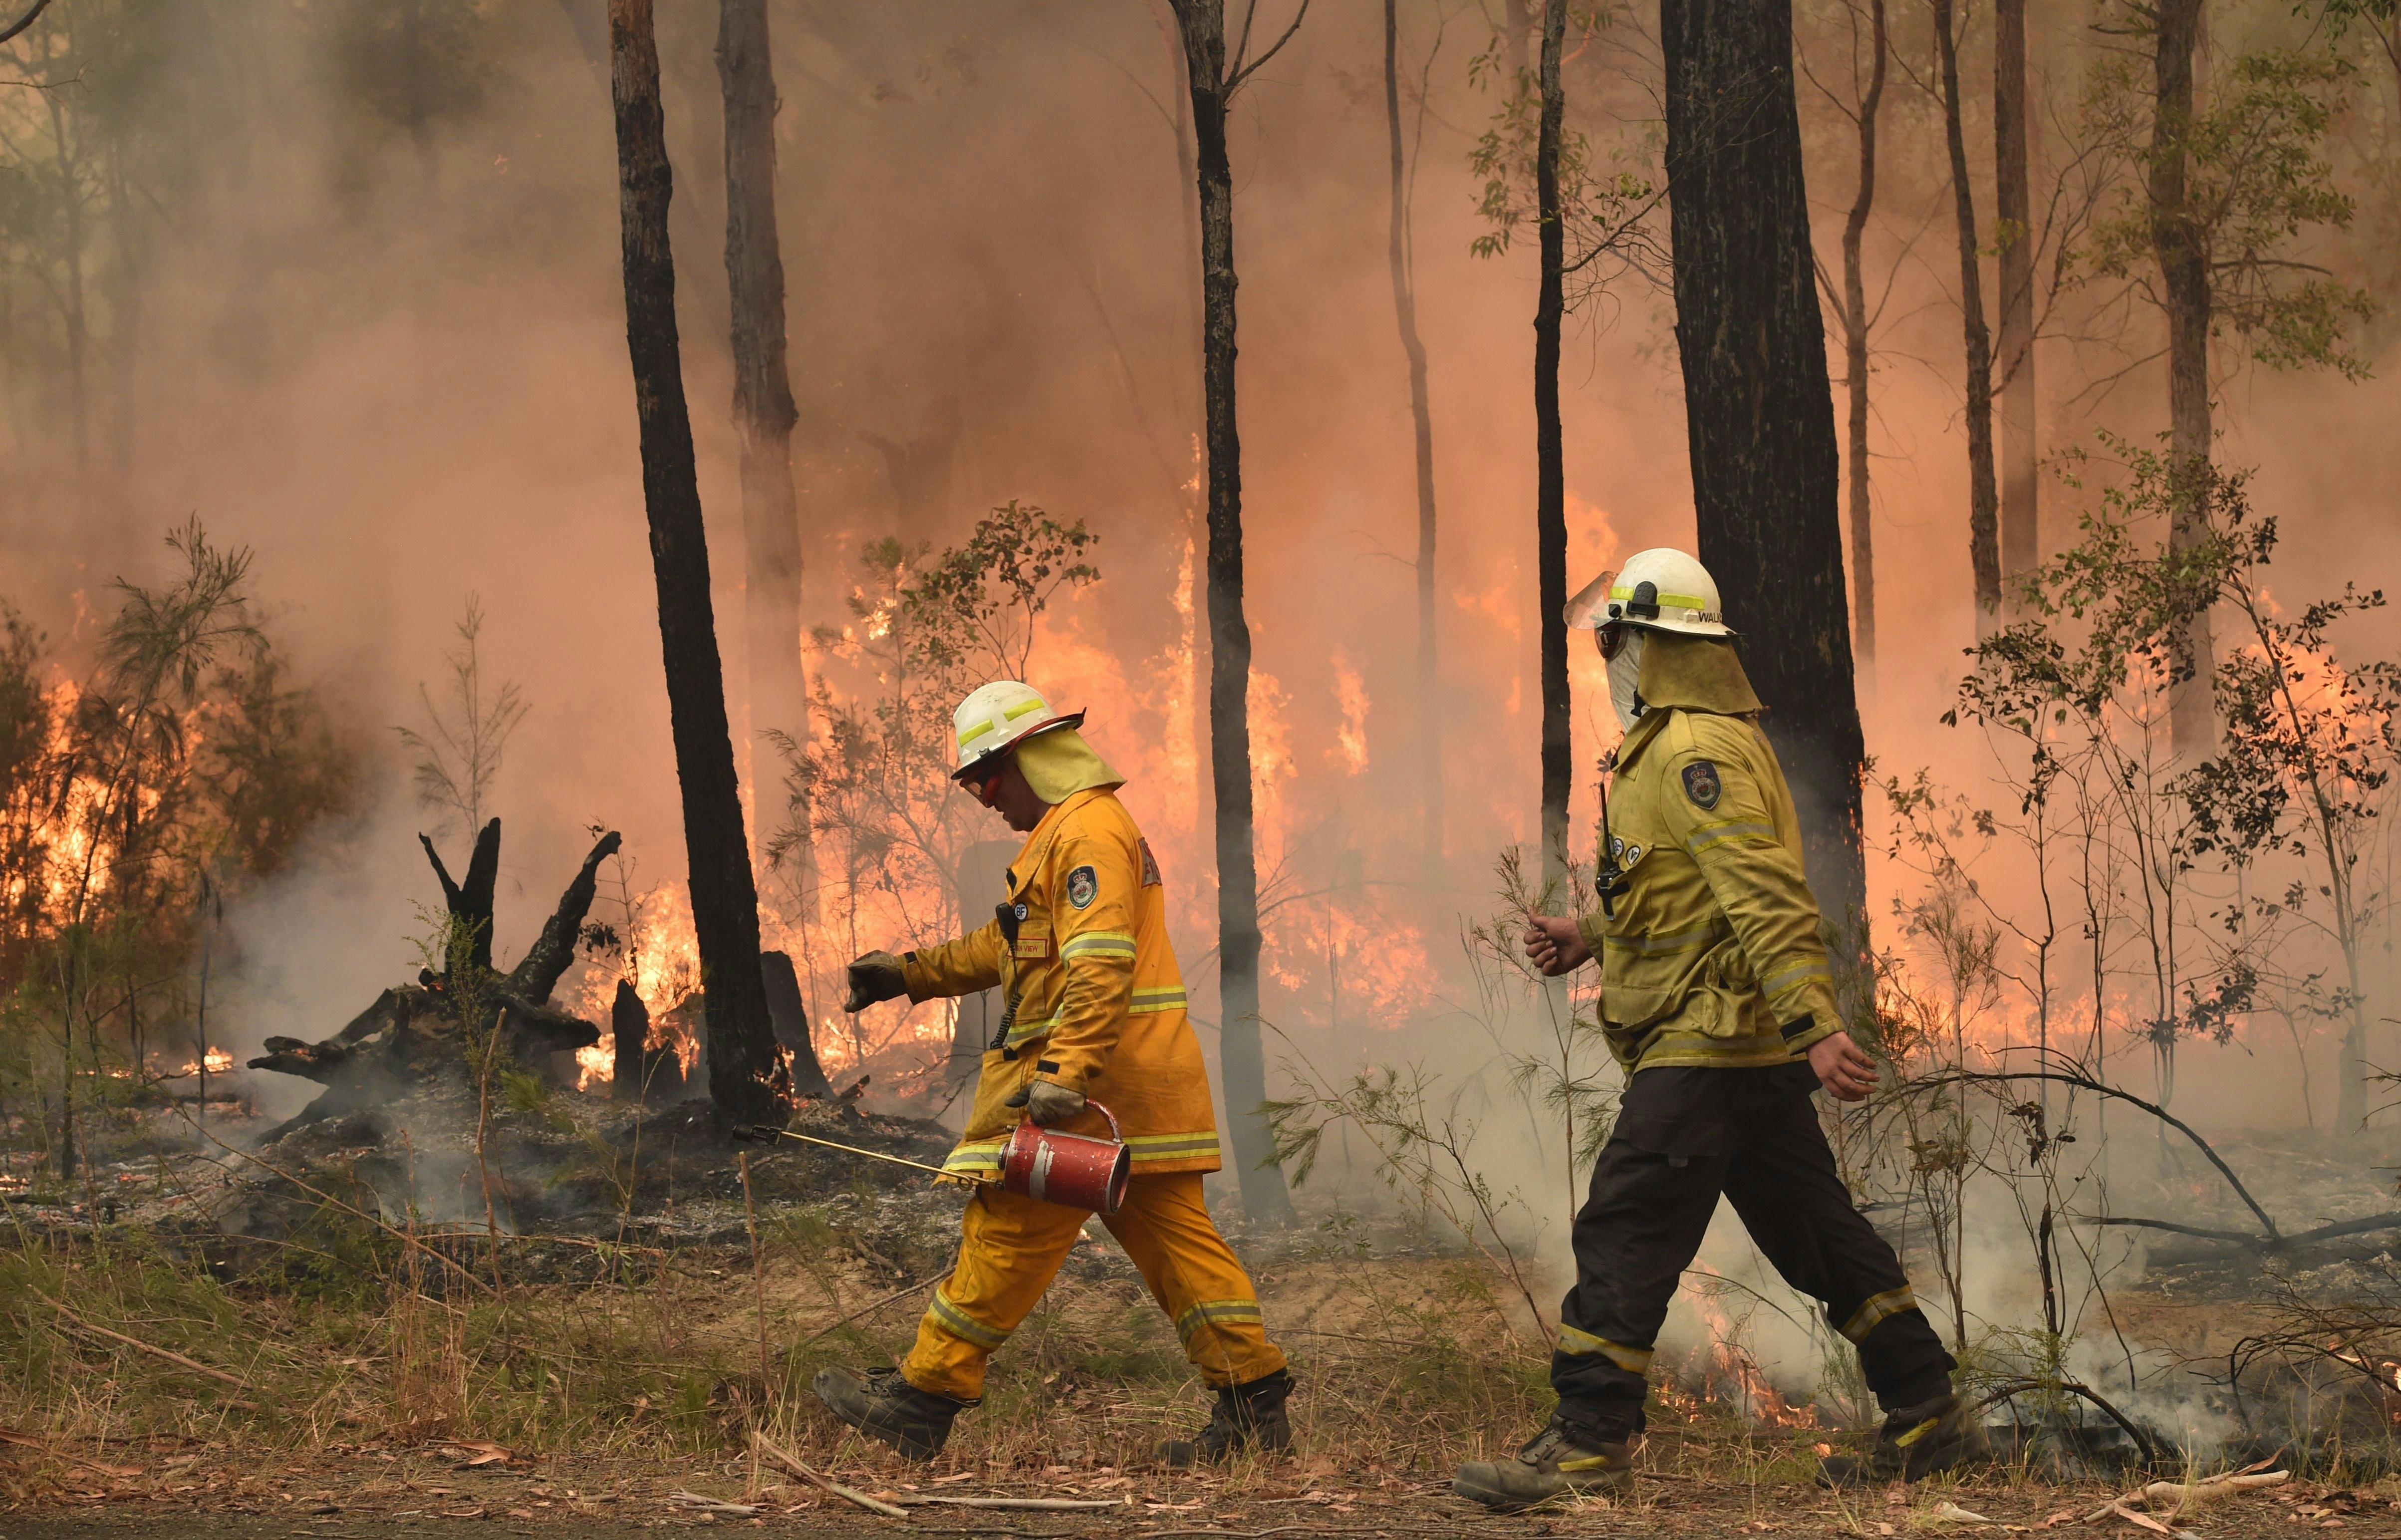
x=2117 y=1508
x=711 y=1506
x=893 y=1298
x=1047 y=1504
x=26 y=1441
x=156 y=1351
x=767 y=1449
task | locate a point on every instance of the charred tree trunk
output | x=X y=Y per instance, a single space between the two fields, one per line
x=537 y=972
x=1405 y=306
x=1855 y=349
x=788 y=1012
x=1195 y=501
x=1758 y=408
x=1242 y=1058
x=470 y=903
x=763 y=413
x=1983 y=495
x=747 y=1077
x=1550 y=468
x=629 y=1034
x=2177 y=245
x=2014 y=227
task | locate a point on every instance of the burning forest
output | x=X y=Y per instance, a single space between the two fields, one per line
x=1081 y=928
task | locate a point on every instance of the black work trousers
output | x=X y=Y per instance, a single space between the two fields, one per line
x=1683 y=1136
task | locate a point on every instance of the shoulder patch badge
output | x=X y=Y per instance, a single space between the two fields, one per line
x=1083 y=887
x=1149 y=865
x=1701 y=784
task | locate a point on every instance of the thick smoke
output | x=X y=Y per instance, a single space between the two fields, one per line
x=374 y=331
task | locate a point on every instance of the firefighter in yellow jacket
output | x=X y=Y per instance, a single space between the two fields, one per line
x=1718 y=1000
x=1093 y=1012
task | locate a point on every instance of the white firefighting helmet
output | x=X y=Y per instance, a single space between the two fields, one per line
x=1662 y=589
x=999 y=717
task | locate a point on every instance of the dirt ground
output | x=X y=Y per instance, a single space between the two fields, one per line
x=433 y=1493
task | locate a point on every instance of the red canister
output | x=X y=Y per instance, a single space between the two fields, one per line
x=1072 y=1170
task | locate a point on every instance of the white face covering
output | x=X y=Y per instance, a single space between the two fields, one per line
x=1624 y=673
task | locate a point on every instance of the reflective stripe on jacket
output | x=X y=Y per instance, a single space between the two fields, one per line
x=1097 y=1001
x=1713 y=955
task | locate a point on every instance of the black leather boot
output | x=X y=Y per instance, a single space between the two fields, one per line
x=1247 y=1416
x=1560 y=1461
x=917 y=1423
x=1914 y=1442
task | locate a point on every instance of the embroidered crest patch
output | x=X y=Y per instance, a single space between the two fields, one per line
x=1083 y=887
x=1701 y=783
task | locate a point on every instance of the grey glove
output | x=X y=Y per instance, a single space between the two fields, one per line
x=874 y=977
x=1046 y=1104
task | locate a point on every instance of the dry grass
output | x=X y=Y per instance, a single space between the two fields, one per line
x=1404 y=1362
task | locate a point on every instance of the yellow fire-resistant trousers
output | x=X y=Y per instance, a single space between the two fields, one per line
x=1010 y=1247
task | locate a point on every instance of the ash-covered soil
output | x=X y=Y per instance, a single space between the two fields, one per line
x=556 y=1171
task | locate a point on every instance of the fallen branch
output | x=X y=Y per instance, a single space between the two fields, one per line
x=2184 y=1494
x=2018 y=1387
x=26 y=1441
x=712 y=1507
x=767 y=1449
x=1046 y=1504
x=1262 y=1535
x=2118 y=1221
x=2116 y=1508
x=156 y=1351
x=2265 y=1243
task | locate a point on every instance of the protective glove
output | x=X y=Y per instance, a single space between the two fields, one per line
x=1046 y=1104
x=874 y=977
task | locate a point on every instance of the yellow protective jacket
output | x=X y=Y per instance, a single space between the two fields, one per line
x=1094 y=999
x=1713 y=955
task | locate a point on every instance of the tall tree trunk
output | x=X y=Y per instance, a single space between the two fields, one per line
x=747 y=1078
x=1855 y=349
x=1550 y=468
x=2013 y=222
x=1195 y=511
x=1242 y=1058
x=1984 y=496
x=1405 y=305
x=2184 y=274
x=1518 y=23
x=1759 y=406
x=763 y=413
x=73 y=310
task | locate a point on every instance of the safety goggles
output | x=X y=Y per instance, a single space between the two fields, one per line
x=983 y=782
x=1609 y=639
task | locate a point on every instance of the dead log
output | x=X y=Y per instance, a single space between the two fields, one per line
x=415 y=1032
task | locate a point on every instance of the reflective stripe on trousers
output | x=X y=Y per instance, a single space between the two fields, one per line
x=1010 y=1247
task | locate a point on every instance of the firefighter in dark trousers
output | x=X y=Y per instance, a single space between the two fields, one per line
x=1718 y=1000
